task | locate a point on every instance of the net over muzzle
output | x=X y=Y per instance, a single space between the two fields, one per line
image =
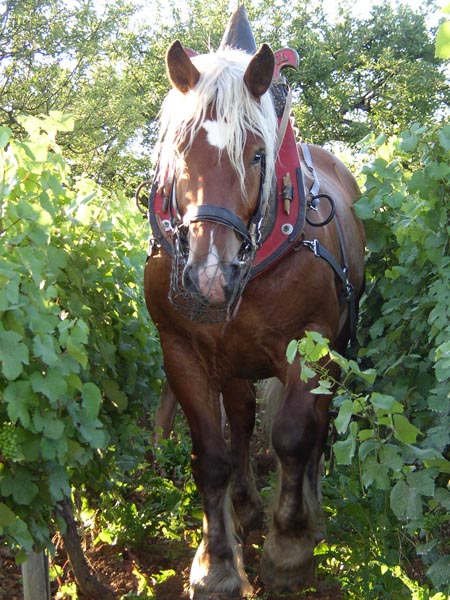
x=195 y=287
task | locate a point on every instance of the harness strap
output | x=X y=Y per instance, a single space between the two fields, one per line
x=342 y=272
x=217 y=214
x=309 y=163
x=282 y=126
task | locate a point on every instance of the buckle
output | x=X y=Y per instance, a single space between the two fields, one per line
x=152 y=243
x=312 y=245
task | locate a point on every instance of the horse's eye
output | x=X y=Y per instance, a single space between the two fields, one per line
x=257 y=158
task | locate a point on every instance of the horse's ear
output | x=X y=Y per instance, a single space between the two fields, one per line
x=259 y=73
x=180 y=69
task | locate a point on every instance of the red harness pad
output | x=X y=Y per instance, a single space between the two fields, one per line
x=287 y=227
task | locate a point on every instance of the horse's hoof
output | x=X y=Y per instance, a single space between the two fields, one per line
x=286 y=580
x=244 y=591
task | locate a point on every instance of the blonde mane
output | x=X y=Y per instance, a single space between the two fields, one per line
x=221 y=85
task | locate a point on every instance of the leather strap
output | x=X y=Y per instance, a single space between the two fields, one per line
x=321 y=252
x=217 y=214
x=309 y=163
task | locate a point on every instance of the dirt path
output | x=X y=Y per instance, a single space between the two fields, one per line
x=129 y=570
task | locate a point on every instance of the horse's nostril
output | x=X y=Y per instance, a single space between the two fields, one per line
x=233 y=276
x=190 y=280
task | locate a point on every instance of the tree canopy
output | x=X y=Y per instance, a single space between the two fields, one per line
x=378 y=74
x=103 y=63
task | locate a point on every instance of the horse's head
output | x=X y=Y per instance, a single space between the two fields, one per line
x=218 y=131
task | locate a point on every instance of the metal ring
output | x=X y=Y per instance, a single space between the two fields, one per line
x=287 y=228
x=330 y=216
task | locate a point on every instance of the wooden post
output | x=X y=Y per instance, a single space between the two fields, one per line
x=36 y=582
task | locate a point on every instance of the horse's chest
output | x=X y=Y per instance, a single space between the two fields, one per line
x=251 y=353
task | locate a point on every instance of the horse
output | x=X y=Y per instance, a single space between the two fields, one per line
x=225 y=316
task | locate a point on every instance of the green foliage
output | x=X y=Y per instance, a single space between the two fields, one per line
x=364 y=75
x=79 y=361
x=393 y=414
x=408 y=187
x=82 y=58
x=379 y=482
x=153 y=500
x=443 y=37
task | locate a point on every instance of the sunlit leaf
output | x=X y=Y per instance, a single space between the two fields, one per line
x=404 y=430
x=443 y=41
x=343 y=418
x=291 y=351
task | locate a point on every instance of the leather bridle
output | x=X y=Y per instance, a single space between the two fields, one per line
x=251 y=233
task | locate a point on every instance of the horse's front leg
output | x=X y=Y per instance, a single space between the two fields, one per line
x=240 y=405
x=299 y=434
x=217 y=571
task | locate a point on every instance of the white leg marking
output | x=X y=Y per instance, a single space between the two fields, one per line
x=214 y=575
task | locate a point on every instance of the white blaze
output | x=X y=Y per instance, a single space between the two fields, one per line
x=218 y=133
x=212 y=259
x=210 y=277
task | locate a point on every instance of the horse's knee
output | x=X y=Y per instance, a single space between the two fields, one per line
x=211 y=470
x=294 y=435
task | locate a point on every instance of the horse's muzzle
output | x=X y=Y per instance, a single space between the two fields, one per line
x=217 y=282
x=210 y=269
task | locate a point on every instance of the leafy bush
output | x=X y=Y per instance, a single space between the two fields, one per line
x=389 y=499
x=154 y=500
x=79 y=358
x=408 y=191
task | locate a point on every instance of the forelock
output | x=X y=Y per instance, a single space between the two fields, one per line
x=220 y=86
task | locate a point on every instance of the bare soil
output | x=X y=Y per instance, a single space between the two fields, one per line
x=123 y=569
x=126 y=569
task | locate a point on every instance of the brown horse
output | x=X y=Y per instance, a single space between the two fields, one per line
x=225 y=323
